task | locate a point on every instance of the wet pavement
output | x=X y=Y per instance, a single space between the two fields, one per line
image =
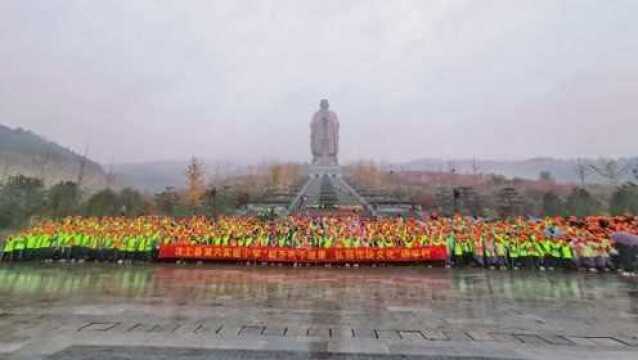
x=65 y=311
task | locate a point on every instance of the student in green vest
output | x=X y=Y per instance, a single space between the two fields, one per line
x=458 y=254
x=18 y=248
x=83 y=247
x=514 y=254
x=523 y=254
x=41 y=247
x=131 y=248
x=120 y=245
x=55 y=247
x=100 y=248
x=157 y=240
x=480 y=252
x=248 y=241
x=74 y=246
x=501 y=252
x=37 y=243
x=109 y=249
x=149 y=251
x=545 y=248
x=7 y=252
x=555 y=255
x=450 y=242
x=123 y=253
x=535 y=254
x=66 y=245
x=567 y=255
x=46 y=247
x=30 y=246
x=327 y=242
x=468 y=251
x=141 y=248
x=90 y=247
x=587 y=261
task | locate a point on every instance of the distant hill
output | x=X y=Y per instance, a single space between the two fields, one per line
x=157 y=175
x=562 y=170
x=24 y=152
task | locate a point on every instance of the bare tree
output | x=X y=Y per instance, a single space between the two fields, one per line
x=444 y=200
x=611 y=170
x=582 y=171
x=217 y=172
x=83 y=160
x=196 y=182
x=509 y=202
x=110 y=177
x=475 y=167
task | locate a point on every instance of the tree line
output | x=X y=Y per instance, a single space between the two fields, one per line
x=24 y=198
x=490 y=195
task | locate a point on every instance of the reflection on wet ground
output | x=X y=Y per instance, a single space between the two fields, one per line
x=371 y=287
x=402 y=310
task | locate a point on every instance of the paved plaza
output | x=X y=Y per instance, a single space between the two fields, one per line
x=82 y=311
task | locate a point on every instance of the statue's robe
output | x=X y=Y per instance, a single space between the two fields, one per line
x=325 y=138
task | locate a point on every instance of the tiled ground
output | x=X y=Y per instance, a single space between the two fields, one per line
x=69 y=311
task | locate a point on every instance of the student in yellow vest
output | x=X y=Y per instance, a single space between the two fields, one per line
x=500 y=247
x=7 y=252
x=514 y=253
x=566 y=254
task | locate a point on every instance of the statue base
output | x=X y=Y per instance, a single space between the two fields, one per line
x=318 y=171
x=326 y=161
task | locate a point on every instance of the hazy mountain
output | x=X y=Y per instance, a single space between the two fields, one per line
x=158 y=175
x=562 y=170
x=155 y=176
x=24 y=152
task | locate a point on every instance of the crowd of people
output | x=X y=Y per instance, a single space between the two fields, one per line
x=514 y=243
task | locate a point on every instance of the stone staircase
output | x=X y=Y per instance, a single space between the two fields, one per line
x=327 y=190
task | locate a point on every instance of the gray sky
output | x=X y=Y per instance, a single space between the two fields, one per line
x=239 y=79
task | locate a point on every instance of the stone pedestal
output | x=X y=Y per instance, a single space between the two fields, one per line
x=318 y=171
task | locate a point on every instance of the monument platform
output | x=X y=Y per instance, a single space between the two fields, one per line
x=325 y=188
x=318 y=170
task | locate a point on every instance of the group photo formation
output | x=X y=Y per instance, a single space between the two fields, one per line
x=596 y=243
x=325 y=213
x=335 y=179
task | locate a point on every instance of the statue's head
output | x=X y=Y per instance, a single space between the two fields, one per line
x=324 y=105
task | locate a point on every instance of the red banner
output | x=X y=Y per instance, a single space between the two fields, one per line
x=314 y=255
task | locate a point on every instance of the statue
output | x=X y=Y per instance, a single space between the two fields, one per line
x=324 y=136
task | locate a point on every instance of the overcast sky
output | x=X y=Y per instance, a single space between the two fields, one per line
x=239 y=79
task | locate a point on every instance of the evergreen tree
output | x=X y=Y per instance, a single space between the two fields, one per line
x=167 y=202
x=20 y=198
x=132 y=202
x=580 y=203
x=509 y=202
x=103 y=203
x=552 y=204
x=63 y=199
x=624 y=200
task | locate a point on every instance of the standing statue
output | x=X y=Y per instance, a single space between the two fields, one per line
x=324 y=136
